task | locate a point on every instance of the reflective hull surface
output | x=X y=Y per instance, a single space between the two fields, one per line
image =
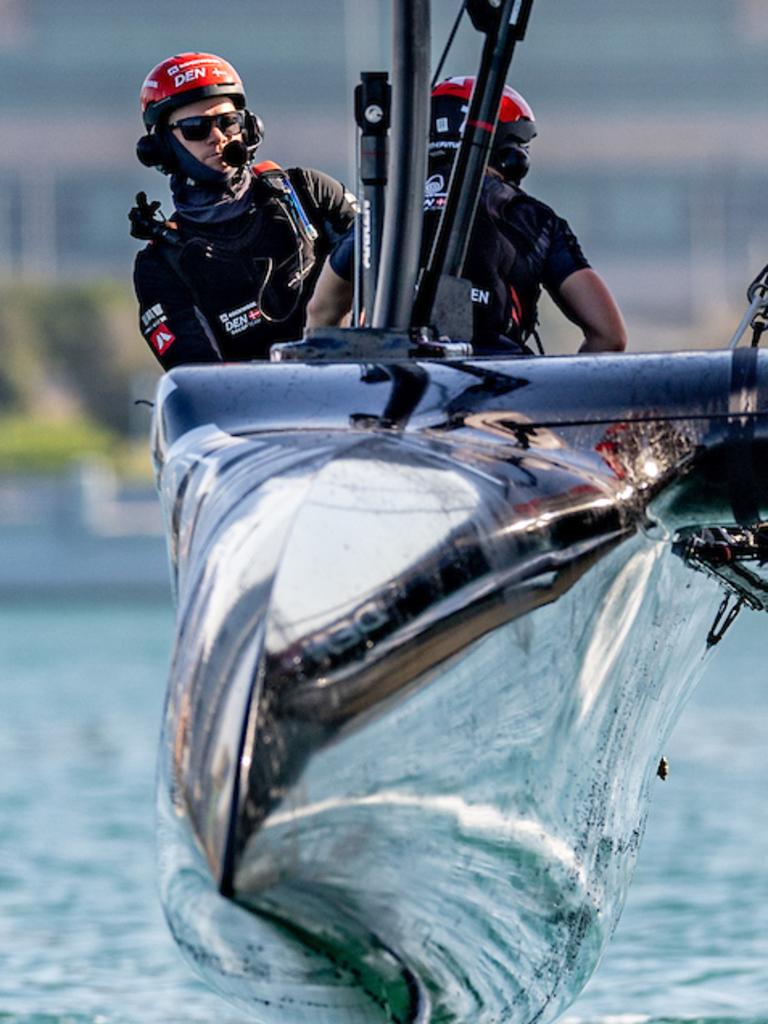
x=431 y=638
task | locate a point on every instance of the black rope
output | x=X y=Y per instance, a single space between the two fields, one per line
x=449 y=44
x=537 y=424
x=761 y=281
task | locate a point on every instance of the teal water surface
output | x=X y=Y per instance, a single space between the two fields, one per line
x=82 y=939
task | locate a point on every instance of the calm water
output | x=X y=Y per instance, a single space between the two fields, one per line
x=82 y=940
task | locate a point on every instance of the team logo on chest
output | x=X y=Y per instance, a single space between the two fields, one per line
x=238 y=320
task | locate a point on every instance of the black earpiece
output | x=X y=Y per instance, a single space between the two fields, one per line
x=147 y=150
x=512 y=162
x=253 y=130
x=153 y=150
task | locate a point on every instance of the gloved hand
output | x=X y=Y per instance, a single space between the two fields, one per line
x=144 y=223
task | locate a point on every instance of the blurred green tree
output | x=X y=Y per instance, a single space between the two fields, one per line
x=70 y=350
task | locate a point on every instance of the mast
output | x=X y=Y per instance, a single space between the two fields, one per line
x=372 y=113
x=504 y=23
x=401 y=240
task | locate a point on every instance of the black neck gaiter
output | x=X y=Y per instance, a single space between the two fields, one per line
x=204 y=195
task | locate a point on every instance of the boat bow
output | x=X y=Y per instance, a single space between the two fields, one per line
x=432 y=633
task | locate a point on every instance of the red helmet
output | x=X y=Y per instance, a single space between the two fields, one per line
x=450 y=103
x=185 y=78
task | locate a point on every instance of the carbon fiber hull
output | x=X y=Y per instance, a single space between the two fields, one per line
x=431 y=637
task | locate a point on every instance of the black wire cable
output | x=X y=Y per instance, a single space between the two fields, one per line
x=760 y=281
x=449 y=43
x=533 y=425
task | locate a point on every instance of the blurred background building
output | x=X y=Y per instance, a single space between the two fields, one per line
x=652 y=125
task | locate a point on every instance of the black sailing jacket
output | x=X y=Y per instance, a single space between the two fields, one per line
x=518 y=245
x=227 y=291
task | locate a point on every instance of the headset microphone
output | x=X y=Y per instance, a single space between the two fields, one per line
x=239 y=152
x=235 y=153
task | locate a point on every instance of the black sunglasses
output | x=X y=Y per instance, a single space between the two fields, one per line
x=197 y=129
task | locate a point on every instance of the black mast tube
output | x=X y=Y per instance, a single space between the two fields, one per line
x=372 y=112
x=401 y=242
x=450 y=246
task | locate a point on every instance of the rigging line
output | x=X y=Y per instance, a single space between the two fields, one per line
x=533 y=425
x=449 y=43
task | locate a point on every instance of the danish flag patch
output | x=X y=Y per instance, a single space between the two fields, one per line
x=161 y=339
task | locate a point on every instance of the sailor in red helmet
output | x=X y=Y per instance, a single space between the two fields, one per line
x=231 y=271
x=518 y=243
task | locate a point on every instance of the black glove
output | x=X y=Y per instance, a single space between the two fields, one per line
x=144 y=223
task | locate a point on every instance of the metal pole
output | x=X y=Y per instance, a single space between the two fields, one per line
x=357 y=272
x=365 y=46
x=372 y=112
x=450 y=246
x=401 y=240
